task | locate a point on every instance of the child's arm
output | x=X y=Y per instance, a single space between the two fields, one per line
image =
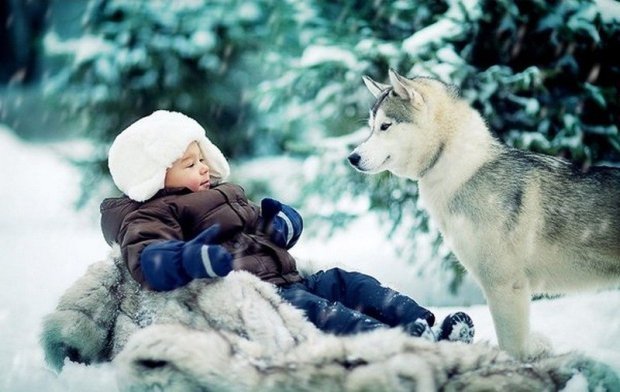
x=156 y=256
x=167 y=265
x=283 y=223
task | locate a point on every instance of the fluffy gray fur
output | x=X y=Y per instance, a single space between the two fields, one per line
x=236 y=334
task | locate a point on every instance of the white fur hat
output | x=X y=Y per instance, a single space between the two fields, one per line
x=141 y=154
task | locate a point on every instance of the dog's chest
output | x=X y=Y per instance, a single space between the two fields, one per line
x=461 y=228
x=450 y=215
x=463 y=237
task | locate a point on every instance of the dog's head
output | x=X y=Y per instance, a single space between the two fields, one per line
x=406 y=126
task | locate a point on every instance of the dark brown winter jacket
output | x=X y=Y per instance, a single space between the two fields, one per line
x=179 y=214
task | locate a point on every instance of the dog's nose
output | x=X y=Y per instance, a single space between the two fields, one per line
x=354 y=158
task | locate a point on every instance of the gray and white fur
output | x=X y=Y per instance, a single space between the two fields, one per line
x=238 y=334
x=521 y=223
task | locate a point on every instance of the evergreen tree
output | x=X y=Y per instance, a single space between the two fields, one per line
x=542 y=74
x=190 y=56
x=285 y=77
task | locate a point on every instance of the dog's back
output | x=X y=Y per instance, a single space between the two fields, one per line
x=565 y=222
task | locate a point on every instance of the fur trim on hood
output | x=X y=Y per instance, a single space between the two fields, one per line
x=141 y=154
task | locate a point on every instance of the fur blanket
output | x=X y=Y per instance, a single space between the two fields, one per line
x=237 y=334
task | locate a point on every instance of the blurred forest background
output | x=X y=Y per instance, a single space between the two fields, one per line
x=282 y=78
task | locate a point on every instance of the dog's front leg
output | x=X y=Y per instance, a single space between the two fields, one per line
x=509 y=303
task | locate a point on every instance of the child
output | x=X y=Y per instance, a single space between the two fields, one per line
x=181 y=221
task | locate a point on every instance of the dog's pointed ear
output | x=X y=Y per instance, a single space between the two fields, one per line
x=403 y=88
x=375 y=87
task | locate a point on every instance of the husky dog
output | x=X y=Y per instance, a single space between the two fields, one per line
x=521 y=223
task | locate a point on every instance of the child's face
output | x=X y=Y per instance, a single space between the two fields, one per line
x=189 y=171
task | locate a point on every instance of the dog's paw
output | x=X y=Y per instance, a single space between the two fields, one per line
x=538 y=346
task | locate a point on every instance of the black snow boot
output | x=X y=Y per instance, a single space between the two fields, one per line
x=456 y=327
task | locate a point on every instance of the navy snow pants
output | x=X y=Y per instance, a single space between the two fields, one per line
x=342 y=302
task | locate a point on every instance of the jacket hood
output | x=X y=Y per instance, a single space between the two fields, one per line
x=113 y=211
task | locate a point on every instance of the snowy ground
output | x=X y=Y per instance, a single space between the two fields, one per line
x=46 y=245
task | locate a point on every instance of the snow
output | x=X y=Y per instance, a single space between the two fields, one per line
x=46 y=245
x=84 y=48
x=316 y=54
x=609 y=10
x=205 y=40
x=450 y=25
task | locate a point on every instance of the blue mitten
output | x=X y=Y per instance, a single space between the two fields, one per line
x=167 y=265
x=201 y=259
x=283 y=223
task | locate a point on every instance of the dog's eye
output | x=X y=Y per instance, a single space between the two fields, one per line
x=385 y=126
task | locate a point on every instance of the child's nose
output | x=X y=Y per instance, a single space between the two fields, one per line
x=204 y=168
